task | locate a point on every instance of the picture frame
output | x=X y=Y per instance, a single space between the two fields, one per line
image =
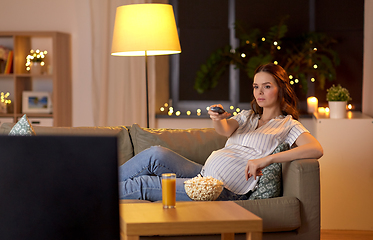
x=36 y=102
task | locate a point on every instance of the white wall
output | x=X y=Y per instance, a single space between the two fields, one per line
x=368 y=60
x=73 y=16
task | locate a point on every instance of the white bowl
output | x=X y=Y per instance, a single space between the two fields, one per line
x=203 y=188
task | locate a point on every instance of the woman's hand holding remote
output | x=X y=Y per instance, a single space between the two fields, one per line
x=217 y=112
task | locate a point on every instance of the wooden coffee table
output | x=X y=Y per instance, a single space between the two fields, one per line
x=220 y=217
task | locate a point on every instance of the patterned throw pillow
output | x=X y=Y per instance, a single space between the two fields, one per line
x=270 y=184
x=22 y=128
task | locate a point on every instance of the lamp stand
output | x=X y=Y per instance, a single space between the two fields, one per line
x=147 y=90
x=148 y=29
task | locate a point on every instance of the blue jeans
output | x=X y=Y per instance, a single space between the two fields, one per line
x=140 y=177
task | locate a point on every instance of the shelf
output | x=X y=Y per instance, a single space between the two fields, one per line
x=6 y=115
x=39 y=115
x=34 y=75
x=2 y=75
x=349 y=115
x=58 y=82
x=26 y=75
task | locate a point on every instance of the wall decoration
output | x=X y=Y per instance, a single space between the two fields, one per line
x=36 y=102
x=35 y=60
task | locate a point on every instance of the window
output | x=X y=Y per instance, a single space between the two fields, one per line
x=207 y=25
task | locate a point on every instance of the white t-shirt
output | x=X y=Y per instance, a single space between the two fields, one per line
x=228 y=164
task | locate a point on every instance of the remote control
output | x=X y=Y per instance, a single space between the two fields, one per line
x=217 y=109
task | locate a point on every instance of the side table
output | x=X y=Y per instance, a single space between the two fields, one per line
x=219 y=217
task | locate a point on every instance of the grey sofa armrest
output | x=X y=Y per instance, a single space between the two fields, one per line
x=301 y=179
x=125 y=149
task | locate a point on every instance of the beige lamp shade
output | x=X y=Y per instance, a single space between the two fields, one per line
x=141 y=29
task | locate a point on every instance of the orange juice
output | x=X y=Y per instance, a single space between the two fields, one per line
x=169 y=190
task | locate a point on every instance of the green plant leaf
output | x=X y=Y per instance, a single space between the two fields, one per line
x=338 y=93
x=207 y=77
x=255 y=62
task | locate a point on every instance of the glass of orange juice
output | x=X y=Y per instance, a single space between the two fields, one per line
x=169 y=190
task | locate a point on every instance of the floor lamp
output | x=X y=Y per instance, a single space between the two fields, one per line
x=145 y=30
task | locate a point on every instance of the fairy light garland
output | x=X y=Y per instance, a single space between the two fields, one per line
x=3 y=98
x=4 y=102
x=35 y=56
x=278 y=47
x=197 y=112
x=293 y=80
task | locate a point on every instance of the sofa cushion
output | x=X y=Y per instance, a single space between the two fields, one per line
x=269 y=185
x=125 y=150
x=22 y=128
x=194 y=144
x=5 y=128
x=279 y=214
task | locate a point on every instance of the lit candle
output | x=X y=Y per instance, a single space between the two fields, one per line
x=349 y=115
x=312 y=104
x=321 y=110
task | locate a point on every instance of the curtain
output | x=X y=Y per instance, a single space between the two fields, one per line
x=118 y=84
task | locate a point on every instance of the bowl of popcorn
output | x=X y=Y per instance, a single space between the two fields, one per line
x=203 y=188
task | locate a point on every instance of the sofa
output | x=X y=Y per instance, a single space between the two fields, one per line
x=293 y=215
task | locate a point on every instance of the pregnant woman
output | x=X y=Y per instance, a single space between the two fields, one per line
x=252 y=136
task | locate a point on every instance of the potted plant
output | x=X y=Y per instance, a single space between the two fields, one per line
x=337 y=97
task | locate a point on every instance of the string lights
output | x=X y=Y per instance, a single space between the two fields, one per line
x=3 y=98
x=293 y=79
x=198 y=112
x=278 y=47
x=35 y=56
x=4 y=102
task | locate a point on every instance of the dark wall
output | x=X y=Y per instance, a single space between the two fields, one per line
x=344 y=20
x=203 y=29
x=265 y=14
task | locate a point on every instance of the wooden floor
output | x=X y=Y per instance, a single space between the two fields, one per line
x=346 y=235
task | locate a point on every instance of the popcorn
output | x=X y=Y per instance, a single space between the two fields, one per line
x=203 y=188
